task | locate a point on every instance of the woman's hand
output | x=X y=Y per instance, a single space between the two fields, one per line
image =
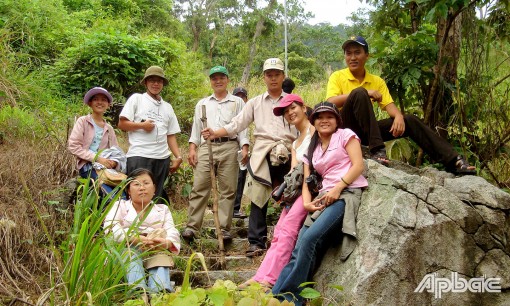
x=108 y=163
x=332 y=195
x=315 y=205
x=161 y=244
x=144 y=243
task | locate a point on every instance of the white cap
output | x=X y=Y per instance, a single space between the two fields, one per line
x=273 y=63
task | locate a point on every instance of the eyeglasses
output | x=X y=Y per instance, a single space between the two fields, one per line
x=155 y=80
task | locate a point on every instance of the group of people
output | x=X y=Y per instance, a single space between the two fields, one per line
x=326 y=140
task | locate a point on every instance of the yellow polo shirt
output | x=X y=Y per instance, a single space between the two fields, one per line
x=342 y=82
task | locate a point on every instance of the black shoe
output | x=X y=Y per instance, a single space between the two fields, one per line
x=226 y=235
x=188 y=234
x=239 y=215
x=254 y=250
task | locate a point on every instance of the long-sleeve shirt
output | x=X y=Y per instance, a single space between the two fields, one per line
x=259 y=110
x=82 y=136
x=123 y=219
x=219 y=113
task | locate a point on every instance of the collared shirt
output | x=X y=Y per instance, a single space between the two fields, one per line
x=342 y=82
x=123 y=220
x=218 y=113
x=334 y=162
x=259 y=110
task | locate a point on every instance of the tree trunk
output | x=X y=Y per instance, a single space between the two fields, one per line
x=196 y=35
x=445 y=71
x=258 y=32
x=253 y=50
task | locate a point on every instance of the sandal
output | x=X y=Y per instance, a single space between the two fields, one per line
x=265 y=286
x=380 y=157
x=246 y=284
x=462 y=167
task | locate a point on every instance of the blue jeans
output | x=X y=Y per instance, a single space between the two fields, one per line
x=158 y=279
x=311 y=242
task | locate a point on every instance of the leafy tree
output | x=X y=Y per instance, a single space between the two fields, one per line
x=39 y=29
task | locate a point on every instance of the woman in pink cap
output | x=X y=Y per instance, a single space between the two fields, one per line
x=294 y=111
x=91 y=134
x=333 y=168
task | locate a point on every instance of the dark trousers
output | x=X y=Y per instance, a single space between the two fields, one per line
x=257 y=225
x=358 y=115
x=241 y=180
x=159 y=168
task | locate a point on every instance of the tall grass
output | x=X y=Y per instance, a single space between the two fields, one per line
x=92 y=270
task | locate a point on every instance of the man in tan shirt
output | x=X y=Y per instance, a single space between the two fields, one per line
x=221 y=107
x=269 y=132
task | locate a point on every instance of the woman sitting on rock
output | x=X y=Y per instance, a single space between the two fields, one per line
x=148 y=231
x=334 y=156
x=292 y=217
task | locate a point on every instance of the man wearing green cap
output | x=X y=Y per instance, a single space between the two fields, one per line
x=271 y=134
x=221 y=107
x=151 y=125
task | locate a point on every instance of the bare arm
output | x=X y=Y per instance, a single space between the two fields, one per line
x=398 y=127
x=339 y=100
x=208 y=132
x=128 y=125
x=174 y=148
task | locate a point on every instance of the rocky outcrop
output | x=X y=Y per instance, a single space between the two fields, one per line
x=415 y=224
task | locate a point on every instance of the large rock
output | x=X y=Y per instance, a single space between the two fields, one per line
x=414 y=223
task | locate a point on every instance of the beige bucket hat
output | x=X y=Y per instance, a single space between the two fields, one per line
x=154 y=71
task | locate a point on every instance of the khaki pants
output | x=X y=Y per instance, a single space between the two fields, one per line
x=227 y=167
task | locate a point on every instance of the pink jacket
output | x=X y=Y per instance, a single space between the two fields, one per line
x=81 y=139
x=122 y=220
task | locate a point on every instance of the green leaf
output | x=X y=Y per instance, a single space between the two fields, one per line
x=218 y=296
x=310 y=293
x=337 y=287
x=247 y=301
x=306 y=284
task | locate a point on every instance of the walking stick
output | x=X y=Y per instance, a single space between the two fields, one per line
x=219 y=234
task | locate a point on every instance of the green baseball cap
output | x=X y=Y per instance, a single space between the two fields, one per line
x=218 y=69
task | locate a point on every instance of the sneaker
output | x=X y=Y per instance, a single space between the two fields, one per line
x=254 y=250
x=239 y=215
x=188 y=234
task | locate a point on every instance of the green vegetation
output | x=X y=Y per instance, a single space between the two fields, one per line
x=441 y=59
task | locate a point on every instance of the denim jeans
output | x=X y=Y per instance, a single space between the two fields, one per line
x=311 y=242
x=158 y=278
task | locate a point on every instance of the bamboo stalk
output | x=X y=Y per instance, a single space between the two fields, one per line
x=219 y=234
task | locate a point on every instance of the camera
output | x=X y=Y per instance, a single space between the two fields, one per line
x=278 y=191
x=314 y=183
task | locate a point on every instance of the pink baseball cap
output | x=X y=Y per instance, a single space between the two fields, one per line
x=286 y=101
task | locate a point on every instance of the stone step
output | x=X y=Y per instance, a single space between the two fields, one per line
x=209 y=246
x=209 y=222
x=207 y=279
x=233 y=263
x=236 y=232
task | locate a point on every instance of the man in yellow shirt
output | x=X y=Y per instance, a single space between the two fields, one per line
x=353 y=89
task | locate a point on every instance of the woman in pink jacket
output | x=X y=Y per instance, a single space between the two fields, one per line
x=91 y=134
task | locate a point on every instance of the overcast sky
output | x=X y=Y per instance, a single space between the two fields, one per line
x=332 y=11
